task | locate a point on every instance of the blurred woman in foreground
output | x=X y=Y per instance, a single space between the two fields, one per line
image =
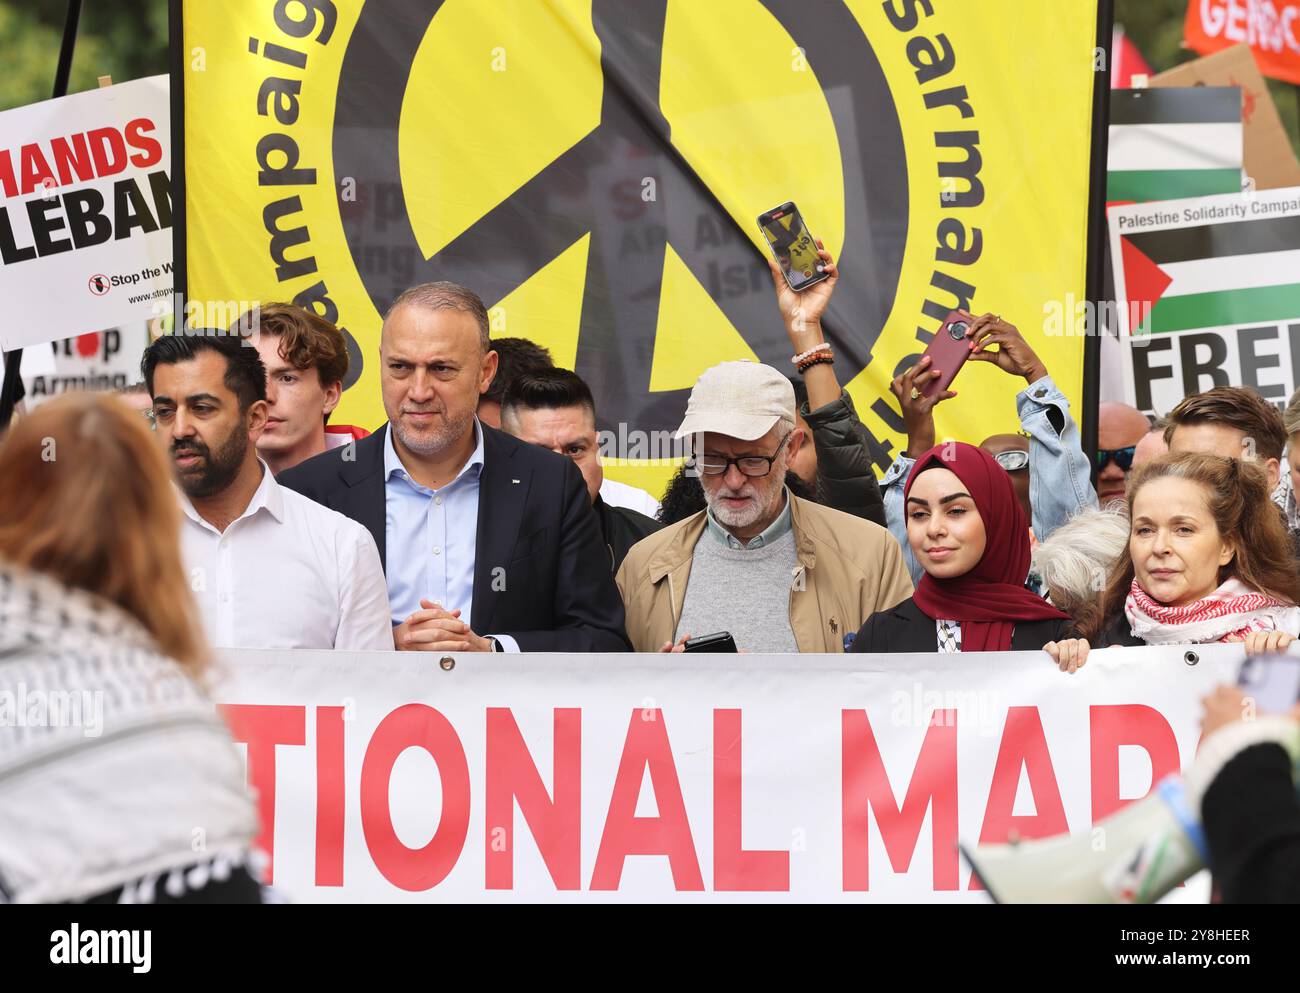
x=118 y=780
x=1207 y=560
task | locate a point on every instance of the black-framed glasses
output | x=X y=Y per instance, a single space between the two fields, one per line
x=753 y=466
x=1012 y=460
x=1123 y=457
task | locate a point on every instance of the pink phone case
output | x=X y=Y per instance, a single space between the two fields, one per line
x=948 y=352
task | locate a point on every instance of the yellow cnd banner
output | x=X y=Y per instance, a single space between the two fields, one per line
x=594 y=170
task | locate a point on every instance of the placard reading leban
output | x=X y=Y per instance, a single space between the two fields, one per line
x=85 y=212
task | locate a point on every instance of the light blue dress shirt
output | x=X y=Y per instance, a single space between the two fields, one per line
x=431 y=538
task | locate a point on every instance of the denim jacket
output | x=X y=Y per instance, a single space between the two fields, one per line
x=1060 y=475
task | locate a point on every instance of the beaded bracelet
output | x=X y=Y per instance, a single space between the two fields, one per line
x=824 y=358
x=804 y=356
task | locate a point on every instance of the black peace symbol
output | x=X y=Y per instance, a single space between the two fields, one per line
x=566 y=199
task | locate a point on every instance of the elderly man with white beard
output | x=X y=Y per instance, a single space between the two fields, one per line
x=779 y=573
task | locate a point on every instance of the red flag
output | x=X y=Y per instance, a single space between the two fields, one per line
x=1128 y=61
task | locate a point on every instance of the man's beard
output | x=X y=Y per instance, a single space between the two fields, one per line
x=433 y=440
x=217 y=470
x=743 y=517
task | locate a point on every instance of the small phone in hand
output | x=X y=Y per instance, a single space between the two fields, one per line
x=948 y=351
x=792 y=245
x=720 y=642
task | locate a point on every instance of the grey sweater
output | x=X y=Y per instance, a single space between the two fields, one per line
x=743 y=591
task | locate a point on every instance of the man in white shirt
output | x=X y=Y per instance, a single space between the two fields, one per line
x=269 y=568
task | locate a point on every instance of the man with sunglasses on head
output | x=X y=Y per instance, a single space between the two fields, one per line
x=1052 y=463
x=778 y=573
x=1119 y=430
x=1011 y=451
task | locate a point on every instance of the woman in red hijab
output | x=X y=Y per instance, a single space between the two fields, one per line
x=969 y=533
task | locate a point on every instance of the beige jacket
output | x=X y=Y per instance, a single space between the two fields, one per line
x=848 y=569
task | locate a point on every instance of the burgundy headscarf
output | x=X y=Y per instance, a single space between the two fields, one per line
x=990 y=598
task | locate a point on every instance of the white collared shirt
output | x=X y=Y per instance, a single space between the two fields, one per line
x=287 y=573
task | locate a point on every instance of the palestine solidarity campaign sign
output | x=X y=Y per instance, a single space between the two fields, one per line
x=594 y=170
x=1207 y=289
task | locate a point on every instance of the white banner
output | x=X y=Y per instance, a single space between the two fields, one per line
x=689 y=778
x=85 y=212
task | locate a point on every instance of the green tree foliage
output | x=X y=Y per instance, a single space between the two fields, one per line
x=125 y=39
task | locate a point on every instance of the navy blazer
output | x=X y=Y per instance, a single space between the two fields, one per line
x=541 y=569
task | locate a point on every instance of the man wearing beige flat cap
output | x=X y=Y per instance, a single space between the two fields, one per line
x=780 y=574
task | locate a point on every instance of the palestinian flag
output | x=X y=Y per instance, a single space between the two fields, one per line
x=1214 y=275
x=1171 y=143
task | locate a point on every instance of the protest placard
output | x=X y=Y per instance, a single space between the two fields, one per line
x=85 y=212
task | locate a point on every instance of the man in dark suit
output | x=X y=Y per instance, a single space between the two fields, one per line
x=554 y=408
x=488 y=544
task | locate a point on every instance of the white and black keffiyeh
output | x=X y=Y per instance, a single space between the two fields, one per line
x=114 y=764
x=949 y=635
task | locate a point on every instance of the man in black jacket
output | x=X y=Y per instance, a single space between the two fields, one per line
x=478 y=532
x=554 y=408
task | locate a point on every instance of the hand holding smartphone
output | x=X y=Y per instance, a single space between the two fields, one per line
x=720 y=642
x=948 y=352
x=792 y=245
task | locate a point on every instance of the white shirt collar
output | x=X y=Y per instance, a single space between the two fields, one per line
x=392 y=463
x=268 y=496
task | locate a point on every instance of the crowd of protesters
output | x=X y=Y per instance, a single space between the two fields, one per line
x=478 y=518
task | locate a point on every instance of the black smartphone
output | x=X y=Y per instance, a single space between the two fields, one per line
x=792 y=245
x=720 y=642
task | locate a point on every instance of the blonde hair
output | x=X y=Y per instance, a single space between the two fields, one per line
x=86 y=497
x=1291 y=416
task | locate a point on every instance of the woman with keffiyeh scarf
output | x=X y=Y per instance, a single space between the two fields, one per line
x=132 y=792
x=968 y=531
x=1208 y=560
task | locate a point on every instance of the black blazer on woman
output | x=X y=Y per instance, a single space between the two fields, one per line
x=1118 y=634
x=905 y=629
